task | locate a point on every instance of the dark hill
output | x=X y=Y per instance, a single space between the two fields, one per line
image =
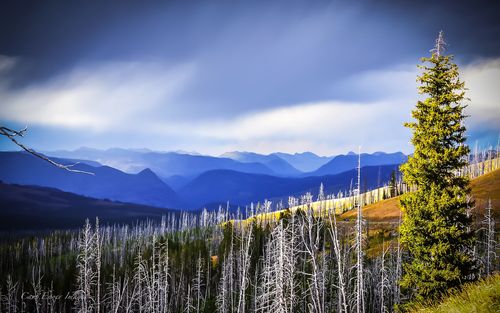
x=33 y=207
x=220 y=186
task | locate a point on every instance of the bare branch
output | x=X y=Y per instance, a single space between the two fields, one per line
x=11 y=134
x=440 y=45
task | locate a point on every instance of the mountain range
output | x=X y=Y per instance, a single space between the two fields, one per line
x=164 y=164
x=198 y=181
x=191 y=164
x=272 y=161
x=305 y=161
x=106 y=183
x=342 y=163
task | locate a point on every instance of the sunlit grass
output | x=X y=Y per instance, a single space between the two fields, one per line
x=383 y=211
x=483 y=296
x=483 y=188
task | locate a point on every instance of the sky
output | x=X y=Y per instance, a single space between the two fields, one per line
x=217 y=76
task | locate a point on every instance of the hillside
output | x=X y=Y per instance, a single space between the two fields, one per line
x=241 y=189
x=480 y=297
x=487 y=187
x=483 y=188
x=33 y=207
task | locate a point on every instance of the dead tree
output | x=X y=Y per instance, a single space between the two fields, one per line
x=490 y=243
x=341 y=282
x=360 y=305
x=98 y=263
x=244 y=265
x=310 y=231
x=86 y=279
x=198 y=284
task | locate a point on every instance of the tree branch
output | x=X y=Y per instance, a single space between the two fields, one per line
x=11 y=134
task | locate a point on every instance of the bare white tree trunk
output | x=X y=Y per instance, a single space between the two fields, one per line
x=189 y=301
x=224 y=298
x=310 y=233
x=360 y=305
x=116 y=294
x=399 y=270
x=490 y=254
x=164 y=283
x=197 y=285
x=291 y=261
x=11 y=300
x=98 y=264
x=339 y=260
x=36 y=286
x=244 y=265
x=277 y=292
x=86 y=278
x=384 y=281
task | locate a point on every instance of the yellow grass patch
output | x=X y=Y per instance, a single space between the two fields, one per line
x=383 y=211
x=487 y=187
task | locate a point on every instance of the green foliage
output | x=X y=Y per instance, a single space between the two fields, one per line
x=435 y=227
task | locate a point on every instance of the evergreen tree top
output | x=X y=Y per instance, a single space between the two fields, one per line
x=438 y=129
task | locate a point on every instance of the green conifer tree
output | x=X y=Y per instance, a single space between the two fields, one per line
x=436 y=228
x=393 y=185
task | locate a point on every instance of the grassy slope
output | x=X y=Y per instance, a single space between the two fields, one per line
x=383 y=211
x=487 y=187
x=483 y=296
x=383 y=216
x=483 y=188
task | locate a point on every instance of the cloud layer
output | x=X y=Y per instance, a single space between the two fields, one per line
x=95 y=98
x=142 y=100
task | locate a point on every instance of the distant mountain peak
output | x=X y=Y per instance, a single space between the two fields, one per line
x=277 y=164
x=146 y=172
x=84 y=149
x=236 y=154
x=304 y=161
x=187 y=152
x=306 y=153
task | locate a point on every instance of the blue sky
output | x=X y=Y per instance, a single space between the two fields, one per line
x=216 y=76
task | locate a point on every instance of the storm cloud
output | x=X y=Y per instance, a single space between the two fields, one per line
x=220 y=76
